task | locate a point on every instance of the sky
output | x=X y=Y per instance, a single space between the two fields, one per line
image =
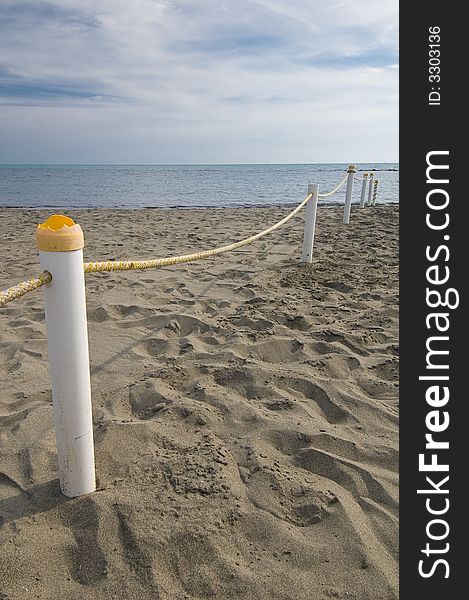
x=198 y=81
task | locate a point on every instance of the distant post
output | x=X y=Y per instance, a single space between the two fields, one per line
x=310 y=223
x=352 y=169
x=375 y=191
x=370 y=189
x=362 y=197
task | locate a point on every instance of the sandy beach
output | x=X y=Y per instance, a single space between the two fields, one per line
x=245 y=413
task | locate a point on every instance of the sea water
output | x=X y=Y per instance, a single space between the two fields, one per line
x=174 y=186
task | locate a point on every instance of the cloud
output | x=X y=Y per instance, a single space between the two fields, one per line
x=197 y=80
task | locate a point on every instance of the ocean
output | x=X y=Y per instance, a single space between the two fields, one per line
x=180 y=186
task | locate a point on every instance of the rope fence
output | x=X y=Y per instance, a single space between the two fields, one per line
x=24 y=287
x=60 y=242
x=157 y=263
x=45 y=278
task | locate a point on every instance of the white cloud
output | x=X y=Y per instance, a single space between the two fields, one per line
x=197 y=80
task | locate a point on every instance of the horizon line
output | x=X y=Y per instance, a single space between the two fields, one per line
x=130 y=164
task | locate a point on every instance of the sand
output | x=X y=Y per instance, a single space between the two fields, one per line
x=245 y=414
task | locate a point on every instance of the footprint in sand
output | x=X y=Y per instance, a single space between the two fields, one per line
x=146 y=401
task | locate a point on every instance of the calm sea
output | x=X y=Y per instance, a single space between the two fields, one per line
x=167 y=186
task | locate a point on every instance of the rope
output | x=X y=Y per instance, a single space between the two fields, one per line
x=335 y=189
x=157 y=263
x=24 y=287
x=126 y=265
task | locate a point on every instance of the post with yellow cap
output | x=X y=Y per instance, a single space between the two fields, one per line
x=375 y=191
x=60 y=242
x=352 y=169
x=362 y=197
x=310 y=223
x=370 y=189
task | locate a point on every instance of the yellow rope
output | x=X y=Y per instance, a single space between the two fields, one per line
x=24 y=287
x=127 y=265
x=124 y=265
x=335 y=189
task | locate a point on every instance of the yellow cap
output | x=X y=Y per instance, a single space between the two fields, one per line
x=59 y=233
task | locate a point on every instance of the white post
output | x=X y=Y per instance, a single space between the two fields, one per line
x=362 y=197
x=375 y=191
x=370 y=190
x=352 y=169
x=310 y=223
x=60 y=243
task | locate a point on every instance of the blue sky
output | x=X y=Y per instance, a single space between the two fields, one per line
x=176 y=81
